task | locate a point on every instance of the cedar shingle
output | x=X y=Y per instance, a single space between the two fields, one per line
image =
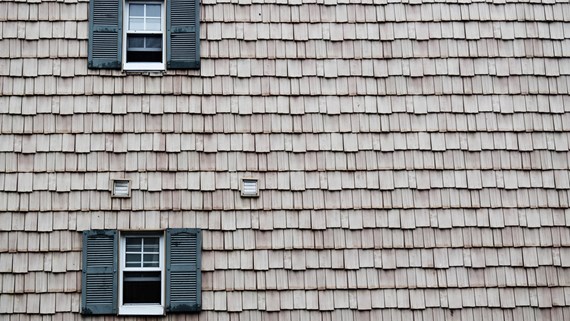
x=490 y=178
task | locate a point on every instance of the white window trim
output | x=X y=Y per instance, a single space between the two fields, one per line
x=144 y=66
x=141 y=308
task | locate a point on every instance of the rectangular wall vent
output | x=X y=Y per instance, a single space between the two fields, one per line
x=249 y=187
x=121 y=188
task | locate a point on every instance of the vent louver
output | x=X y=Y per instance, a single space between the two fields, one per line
x=249 y=187
x=121 y=188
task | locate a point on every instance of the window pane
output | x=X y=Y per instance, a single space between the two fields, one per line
x=136 y=10
x=153 y=24
x=136 y=23
x=144 y=42
x=133 y=260
x=151 y=244
x=153 y=10
x=150 y=260
x=135 y=42
x=134 y=244
x=141 y=287
x=150 y=50
x=144 y=56
x=154 y=42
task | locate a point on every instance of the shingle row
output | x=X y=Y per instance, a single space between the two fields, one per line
x=473 y=267
x=330 y=68
x=357 y=259
x=335 y=31
x=266 y=143
x=84 y=165
x=295 y=181
x=405 y=228
x=379 y=299
x=411 y=241
x=501 y=128
x=287 y=200
x=310 y=49
x=311 y=313
x=367 y=278
x=276 y=114
x=313 y=11
x=312 y=304
x=281 y=86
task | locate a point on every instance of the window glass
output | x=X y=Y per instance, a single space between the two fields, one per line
x=142 y=252
x=136 y=23
x=153 y=24
x=136 y=42
x=136 y=10
x=153 y=10
x=150 y=260
x=152 y=42
x=145 y=17
x=133 y=260
x=134 y=244
x=151 y=244
x=141 y=287
x=153 y=17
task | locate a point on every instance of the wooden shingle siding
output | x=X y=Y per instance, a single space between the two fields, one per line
x=412 y=157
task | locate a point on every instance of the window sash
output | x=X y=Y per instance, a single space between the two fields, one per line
x=144 y=17
x=145 y=44
x=142 y=308
x=142 y=242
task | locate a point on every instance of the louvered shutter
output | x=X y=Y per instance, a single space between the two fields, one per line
x=183 y=270
x=105 y=34
x=183 y=34
x=99 y=278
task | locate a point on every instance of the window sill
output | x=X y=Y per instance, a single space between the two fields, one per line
x=143 y=66
x=141 y=309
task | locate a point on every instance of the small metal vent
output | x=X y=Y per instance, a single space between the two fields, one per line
x=249 y=187
x=121 y=188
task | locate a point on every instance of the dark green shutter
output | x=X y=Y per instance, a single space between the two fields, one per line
x=99 y=278
x=183 y=34
x=105 y=34
x=183 y=270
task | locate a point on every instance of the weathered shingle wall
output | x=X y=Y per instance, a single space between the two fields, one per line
x=413 y=159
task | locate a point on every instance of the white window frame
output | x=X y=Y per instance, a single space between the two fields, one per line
x=143 y=66
x=141 y=308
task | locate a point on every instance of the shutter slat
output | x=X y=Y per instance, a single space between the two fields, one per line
x=99 y=282
x=105 y=34
x=183 y=270
x=183 y=12
x=183 y=34
x=182 y=46
x=106 y=12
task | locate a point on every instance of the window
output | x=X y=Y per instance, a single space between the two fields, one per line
x=144 y=35
x=141 y=273
x=144 y=32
